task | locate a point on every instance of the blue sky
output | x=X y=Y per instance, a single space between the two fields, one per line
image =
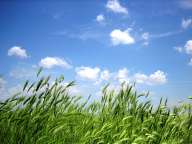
x=96 y=42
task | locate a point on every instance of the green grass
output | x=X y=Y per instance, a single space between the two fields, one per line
x=45 y=113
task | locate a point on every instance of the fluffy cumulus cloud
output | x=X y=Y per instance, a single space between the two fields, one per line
x=105 y=75
x=186 y=23
x=122 y=75
x=188 y=47
x=94 y=74
x=88 y=73
x=115 y=6
x=50 y=62
x=140 y=78
x=156 y=78
x=18 y=52
x=98 y=76
x=100 y=18
x=121 y=37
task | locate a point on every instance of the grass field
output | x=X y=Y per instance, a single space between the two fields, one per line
x=46 y=113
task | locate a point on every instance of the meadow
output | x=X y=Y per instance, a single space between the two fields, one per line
x=46 y=113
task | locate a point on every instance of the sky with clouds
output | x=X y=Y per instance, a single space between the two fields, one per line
x=98 y=42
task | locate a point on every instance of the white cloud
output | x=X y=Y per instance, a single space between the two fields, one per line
x=166 y=34
x=105 y=75
x=88 y=73
x=97 y=76
x=116 y=7
x=190 y=62
x=188 y=47
x=156 y=78
x=145 y=36
x=18 y=52
x=94 y=74
x=179 y=49
x=50 y=62
x=121 y=37
x=122 y=75
x=140 y=78
x=100 y=18
x=186 y=23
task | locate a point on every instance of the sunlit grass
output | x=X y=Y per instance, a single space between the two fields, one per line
x=45 y=112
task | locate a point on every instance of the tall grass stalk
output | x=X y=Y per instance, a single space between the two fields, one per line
x=45 y=113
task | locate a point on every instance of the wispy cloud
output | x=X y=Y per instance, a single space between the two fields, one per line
x=88 y=35
x=57 y=15
x=145 y=38
x=84 y=34
x=166 y=34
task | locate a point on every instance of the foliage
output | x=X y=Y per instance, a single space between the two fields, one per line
x=45 y=113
